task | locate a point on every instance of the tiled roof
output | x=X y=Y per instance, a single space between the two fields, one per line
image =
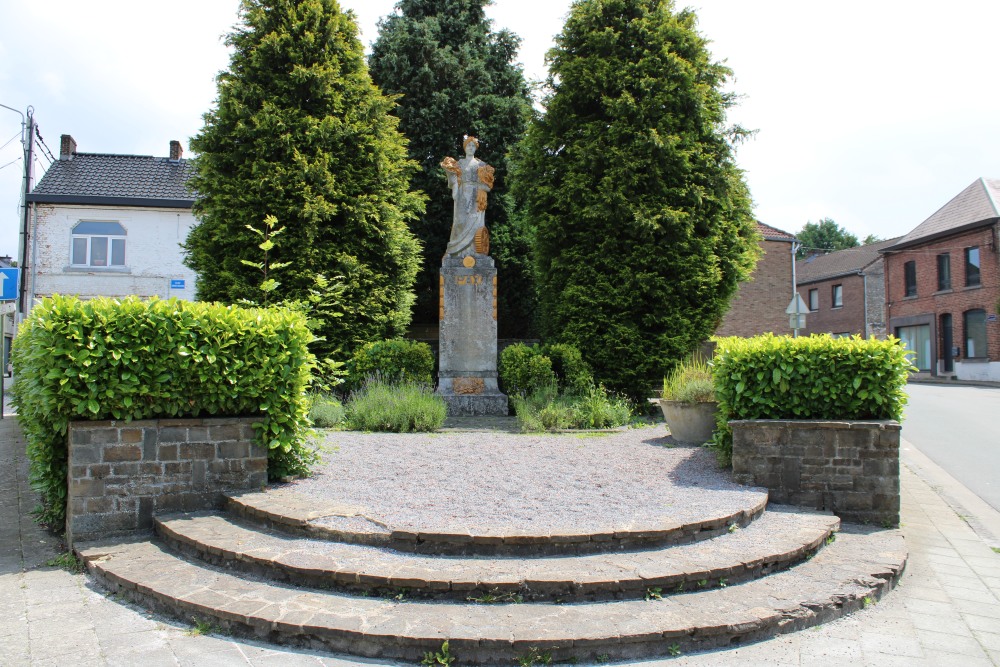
x=116 y=179
x=840 y=263
x=773 y=233
x=975 y=205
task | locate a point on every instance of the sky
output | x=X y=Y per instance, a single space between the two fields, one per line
x=872 y=112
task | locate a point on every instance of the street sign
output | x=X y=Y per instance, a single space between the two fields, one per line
x=176 y=283
x=9 y=280
x=797 y=305
x=7 y=307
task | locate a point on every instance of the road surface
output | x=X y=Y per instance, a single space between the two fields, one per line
x=959 y=429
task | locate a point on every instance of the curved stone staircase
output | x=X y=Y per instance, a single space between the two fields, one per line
x=275 y=566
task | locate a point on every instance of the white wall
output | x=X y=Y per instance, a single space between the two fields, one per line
x=152 y=253
x=978 y=370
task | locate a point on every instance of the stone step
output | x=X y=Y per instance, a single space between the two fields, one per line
x=303 y=515
x=778 y=540
x=852 y=572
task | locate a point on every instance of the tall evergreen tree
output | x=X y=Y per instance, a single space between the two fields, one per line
x=644 y=224
x=300 y=132
x=457 y=76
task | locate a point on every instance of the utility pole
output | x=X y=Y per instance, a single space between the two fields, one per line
x=28 y=142
x=29 y=174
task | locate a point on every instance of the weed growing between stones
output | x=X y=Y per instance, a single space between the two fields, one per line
x=654 y=594
x=200 y=627
x=442 y=657
x=67 y=561
x=495 y=596
x=534 y=657
x=674 y=649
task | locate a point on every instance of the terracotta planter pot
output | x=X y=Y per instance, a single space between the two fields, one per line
x=690 y=423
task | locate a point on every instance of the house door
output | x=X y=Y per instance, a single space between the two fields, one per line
x=947 y=344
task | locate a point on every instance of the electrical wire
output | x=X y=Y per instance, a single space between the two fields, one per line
x=44 y=145
x=10 y=140
x=17 y=159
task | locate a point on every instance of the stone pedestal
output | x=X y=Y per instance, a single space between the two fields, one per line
x=467 y=357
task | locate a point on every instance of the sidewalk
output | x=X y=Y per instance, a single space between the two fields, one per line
x=946 y=610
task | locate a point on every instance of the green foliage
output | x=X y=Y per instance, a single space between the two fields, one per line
x=546 y=409
x=456 y=76
x=67 y=561
x=299 y=133
x=572 y=372
x=690 y=382
x=133 y=359
x=524 y=369
x=824 y=236
x=326 y=411
x=814 y=377
x=397 y=360
x=442 y=657
x=644 y=222
x=400 y=407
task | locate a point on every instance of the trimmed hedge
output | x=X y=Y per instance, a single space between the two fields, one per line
x=131 y=359
x=814 y=377
x=394 y=360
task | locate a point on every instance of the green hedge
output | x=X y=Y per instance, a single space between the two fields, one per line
x=132 y=359
x=394 y=360
x=527 y=369
x=815 y=377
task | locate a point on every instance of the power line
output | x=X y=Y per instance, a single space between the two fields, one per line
x=42 y=141
x=10 y=140
x=17 y=159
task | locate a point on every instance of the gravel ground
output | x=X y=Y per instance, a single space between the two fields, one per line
x=488 y=482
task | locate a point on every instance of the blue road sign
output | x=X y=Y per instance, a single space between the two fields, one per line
x=9 y=279
x=176 y=283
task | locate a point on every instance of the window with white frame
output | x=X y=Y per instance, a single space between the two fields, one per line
x=98 y=244
x=814 y=300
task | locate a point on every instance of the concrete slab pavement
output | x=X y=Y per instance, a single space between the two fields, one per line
x=945 y=611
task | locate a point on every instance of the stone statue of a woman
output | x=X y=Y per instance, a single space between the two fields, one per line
x=470 y=179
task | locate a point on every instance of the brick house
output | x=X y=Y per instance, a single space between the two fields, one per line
x=759 y=304
x=110 y=225
x=943 y=287
x=845 y=291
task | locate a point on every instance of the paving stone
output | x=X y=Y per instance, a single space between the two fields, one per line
x=951 y=643
x=779 y=539
x=813 y=591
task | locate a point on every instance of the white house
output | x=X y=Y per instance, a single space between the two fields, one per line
x=110 y=225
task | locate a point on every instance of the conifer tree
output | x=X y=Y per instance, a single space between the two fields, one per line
x=457 y=76
x=300 y=132
x=644 y=224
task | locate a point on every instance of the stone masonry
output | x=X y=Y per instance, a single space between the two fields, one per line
x=850 y=468
x=122 y=473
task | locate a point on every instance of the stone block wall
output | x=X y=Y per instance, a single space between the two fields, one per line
x=122 y=473
x=850 y=468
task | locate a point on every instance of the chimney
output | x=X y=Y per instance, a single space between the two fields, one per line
x=67 y=147
x=175 y=151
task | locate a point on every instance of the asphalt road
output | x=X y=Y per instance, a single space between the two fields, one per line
x=959 y=429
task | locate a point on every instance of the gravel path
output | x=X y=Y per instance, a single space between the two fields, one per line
x=488 y=482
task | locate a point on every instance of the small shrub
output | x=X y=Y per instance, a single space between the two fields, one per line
x=524 y=370
x=572 y=372
x=814 y=377
x=395 y=407
x=690 y=382
x=547 y=409
x=396 y=360
x=326 y=411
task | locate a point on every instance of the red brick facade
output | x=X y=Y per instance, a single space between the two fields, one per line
x=849 y=318
x=759 y=305
x=930 y=305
